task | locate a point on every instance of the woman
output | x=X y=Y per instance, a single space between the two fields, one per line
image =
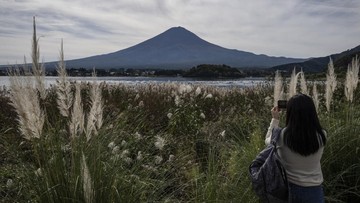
x=300 y=148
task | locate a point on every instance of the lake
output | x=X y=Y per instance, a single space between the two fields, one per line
x=241 y=82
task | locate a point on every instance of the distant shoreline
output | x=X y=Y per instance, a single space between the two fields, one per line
x=143 y=80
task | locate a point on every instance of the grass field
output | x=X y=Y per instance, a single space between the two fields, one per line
x=95 y=142
x=158 y=143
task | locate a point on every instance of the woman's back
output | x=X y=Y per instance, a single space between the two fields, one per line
x=301 y=170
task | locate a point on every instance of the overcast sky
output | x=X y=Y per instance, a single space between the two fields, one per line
x=291 y=28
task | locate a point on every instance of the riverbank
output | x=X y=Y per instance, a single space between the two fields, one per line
x=168 y=142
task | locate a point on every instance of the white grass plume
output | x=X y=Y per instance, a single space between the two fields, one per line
x=278 y=87
x=315 y=97
x=26 y=69
x=76 y=125
x=95 y=116
x=63 y=87
x=356 y=67
x=293 y=84
x=352 y=79
x=38 y=69
x=330 y=85
x=303 y=84
x=87 y=182
x=24 y=99
x=160 y=142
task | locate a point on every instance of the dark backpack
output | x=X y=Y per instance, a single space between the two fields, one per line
x=268 y=175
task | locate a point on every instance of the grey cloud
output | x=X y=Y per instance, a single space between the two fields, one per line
x=296 y=28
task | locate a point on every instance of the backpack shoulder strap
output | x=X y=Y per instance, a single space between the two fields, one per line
x=275 y=135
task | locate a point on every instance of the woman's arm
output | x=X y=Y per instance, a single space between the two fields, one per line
x=274 y=123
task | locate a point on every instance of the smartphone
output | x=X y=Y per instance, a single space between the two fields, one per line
x=282 y=104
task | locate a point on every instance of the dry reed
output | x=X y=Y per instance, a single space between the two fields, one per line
x=352 y=79
x=330 y=85
x=293 y=84
x=63 y=87
x=87 y=182
x=303 y=84
x=76 y=124
x=315 y=97
x=278 y=87
x=24 y=99
x=38 y=69
x=95 y=116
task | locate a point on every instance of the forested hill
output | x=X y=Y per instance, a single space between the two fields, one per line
x=213 y=71
x=320 y=64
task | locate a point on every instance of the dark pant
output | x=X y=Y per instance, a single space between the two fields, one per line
x=299 y=194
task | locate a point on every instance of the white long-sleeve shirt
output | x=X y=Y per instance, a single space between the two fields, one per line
x=301 y=170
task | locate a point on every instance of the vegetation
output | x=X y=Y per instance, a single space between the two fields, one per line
x=96 y=142
x=166 y=143
x=213 y=71
x=204 y=71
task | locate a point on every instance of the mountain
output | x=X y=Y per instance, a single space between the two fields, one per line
x=340 y=60
x=176 y=48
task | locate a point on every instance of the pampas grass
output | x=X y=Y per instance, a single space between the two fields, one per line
x=87 y=182
x=330 y=85
x=76 y=125
x=163 y=151
x=63 y=87
x=278 y=87
x=315 y=97
x=95 y=116
x=37 y=68
x=293 y=84
x=303 y=84
x=352 y=78
x=24 y=99
x=355 y=63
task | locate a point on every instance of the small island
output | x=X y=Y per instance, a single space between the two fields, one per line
x=213 y=71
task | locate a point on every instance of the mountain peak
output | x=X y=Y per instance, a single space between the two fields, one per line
x=177 y=47
x=177 y=35
x=178 y=28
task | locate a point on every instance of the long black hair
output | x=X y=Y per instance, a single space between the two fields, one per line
x=303 y=133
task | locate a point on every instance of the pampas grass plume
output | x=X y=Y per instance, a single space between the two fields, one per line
x=293 y=83
x=330 y=85
x=76 y=125
x=315 y=97
x=95 y=116
x=352 y=79
x=24 y=99
x=355 y=67
x=38 y=69
x=87 y=182
x=63 y=87
x=303 y=84
x=278 y=87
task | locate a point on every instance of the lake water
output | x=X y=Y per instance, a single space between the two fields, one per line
x=242 y=82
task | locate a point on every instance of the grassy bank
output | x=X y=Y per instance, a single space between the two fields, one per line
x=161 y=143
x=95 y=142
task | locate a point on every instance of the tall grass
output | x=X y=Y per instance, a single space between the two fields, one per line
x=331 y=84
x=352 y=78
x=90 y=142
x=278 y=88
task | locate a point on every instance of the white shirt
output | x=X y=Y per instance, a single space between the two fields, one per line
x=301 y=170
